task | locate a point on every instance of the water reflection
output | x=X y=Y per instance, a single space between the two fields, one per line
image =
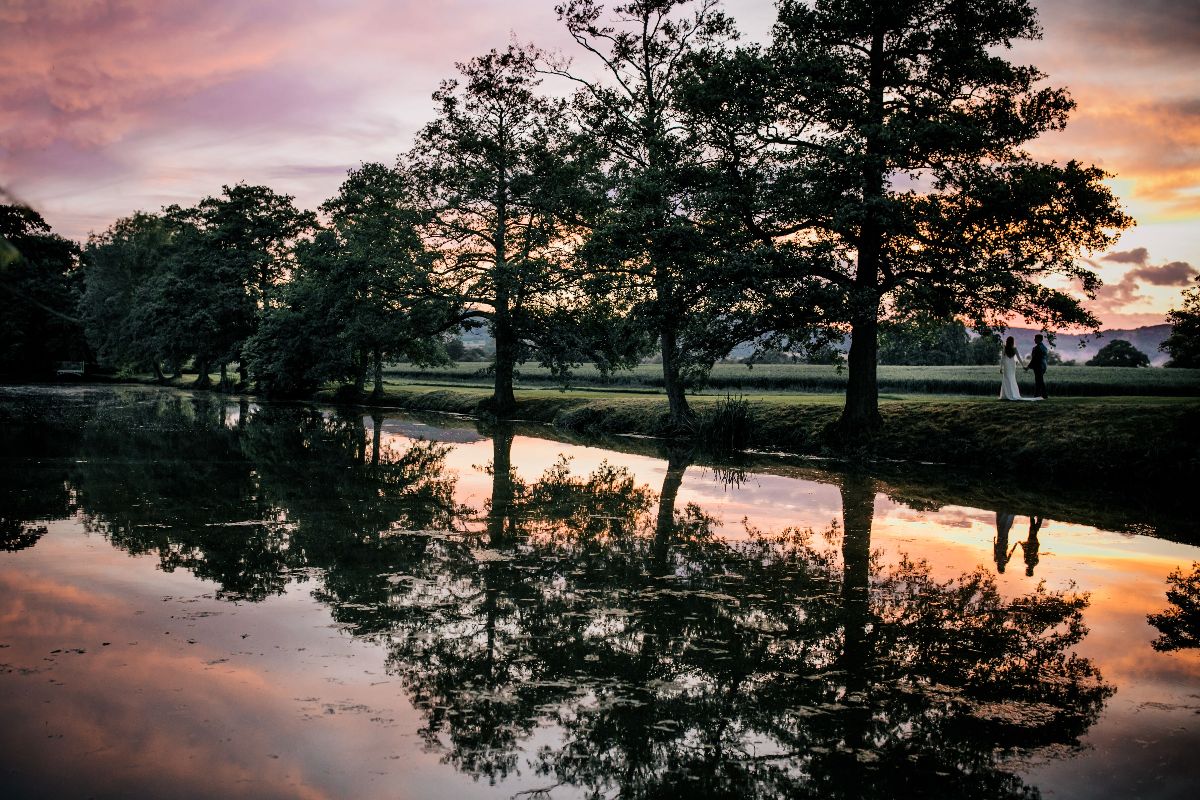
x=587 y=630
x=1002 y=551
x=1179 y=625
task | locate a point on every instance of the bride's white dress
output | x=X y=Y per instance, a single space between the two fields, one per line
x=1008 y=378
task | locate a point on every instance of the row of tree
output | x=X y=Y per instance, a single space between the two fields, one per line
x=864 y=166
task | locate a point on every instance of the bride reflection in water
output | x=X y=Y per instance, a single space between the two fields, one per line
x=1002 y=552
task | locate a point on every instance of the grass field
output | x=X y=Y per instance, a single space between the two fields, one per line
x=787 y=378
x=1112 y=441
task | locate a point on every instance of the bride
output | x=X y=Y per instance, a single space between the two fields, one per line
x=1008 y=372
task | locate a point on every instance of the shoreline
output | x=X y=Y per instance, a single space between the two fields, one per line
x=1115 y=443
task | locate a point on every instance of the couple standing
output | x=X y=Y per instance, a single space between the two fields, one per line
x=1008 y=369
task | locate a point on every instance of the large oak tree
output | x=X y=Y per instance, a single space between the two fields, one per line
x=656 y=249
x=503 y=180
x=894 y=134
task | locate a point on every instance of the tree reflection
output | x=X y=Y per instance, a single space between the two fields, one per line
x=669 y=661
x=168 y=476
x=34 y=470
x=1179 y=625
x=253 y=500
x=587 y=630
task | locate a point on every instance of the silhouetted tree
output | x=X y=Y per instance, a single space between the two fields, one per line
x=1179 y=626
x=122 y=270
x=504 y=180
x=653 y=247
x=228 y=256
x=1183 y=344
x=897 y=133
x=347 y=306
x=1119 y=353
x=39 y=294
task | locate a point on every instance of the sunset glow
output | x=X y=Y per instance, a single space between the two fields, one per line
x=112 y=106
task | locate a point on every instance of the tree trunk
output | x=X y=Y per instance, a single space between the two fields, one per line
x=500 y=510
x=503 y=399
x=858 y=513
x=678 y=460
x=360 y=376
x=158 y=373
x=860 y=416
x=202 y=381
x=377 y=431
x=680 y=413
x=243 y=377
x=377 y=392
x=224 y=384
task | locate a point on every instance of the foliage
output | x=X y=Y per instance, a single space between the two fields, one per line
x=1183 y=344
x=39 y=291
x=985 y=349
x=680 y=280
x=228 y=256
x=347 y=303
x=122 y=270
x=925 y=342
x=724 y=426
x=897 y=133
x=1179 y=625
x=503 y=181
x=1119 y=353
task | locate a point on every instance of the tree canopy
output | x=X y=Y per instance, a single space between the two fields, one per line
x=896 y=135
x=40 y=285
x=1183 y=345
x=1119 y=353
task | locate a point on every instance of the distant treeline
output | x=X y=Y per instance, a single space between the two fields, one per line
x=705 y=194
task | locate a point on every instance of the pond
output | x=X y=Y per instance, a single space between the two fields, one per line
x=201 y=596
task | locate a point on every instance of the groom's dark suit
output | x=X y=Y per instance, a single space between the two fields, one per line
x=1037 y=363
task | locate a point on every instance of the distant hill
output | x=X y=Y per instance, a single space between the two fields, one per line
x=1147 y=339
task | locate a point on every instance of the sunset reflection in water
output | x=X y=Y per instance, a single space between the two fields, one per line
x=253 y=634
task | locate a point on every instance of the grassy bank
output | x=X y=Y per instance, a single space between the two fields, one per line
x=1113 y=440
x=1075 y=381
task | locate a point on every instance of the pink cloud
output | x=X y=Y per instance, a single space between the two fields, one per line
x=1174 y=273
x=116 y=105
x=168 y=101
x=1136 y=256
x=1114 y=298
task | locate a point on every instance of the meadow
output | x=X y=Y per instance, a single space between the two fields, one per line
x=1063 y=381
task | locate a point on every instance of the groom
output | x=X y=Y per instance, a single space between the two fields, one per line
x=1037 y=363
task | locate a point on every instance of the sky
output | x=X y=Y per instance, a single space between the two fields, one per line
x=113 y=106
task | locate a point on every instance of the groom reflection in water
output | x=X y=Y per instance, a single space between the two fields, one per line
x=1002 y=552
x=1030 y=546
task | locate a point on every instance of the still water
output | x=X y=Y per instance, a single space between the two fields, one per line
x=201 y=597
